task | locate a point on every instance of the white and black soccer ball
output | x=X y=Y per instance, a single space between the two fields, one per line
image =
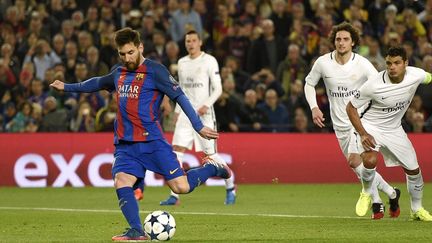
x=160 y=226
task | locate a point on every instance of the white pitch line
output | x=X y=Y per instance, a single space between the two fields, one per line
x=176 y=212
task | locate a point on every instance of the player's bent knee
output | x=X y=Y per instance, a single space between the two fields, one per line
x=123 y=180
x=369 y=159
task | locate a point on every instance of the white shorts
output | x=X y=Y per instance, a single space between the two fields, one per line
x=347 y=142
x=186 y=136
x=395 y=147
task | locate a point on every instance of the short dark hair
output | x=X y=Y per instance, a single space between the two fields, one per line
x=193 y=32
x=395 y=51
x=127 y=35
x=345 y=26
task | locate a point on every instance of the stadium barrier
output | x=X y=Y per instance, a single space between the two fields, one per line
x=85 y=159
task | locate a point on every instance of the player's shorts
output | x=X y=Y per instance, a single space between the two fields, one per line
x=395 y=147
x=186 y=136
x=347 y=141
x=136 y=158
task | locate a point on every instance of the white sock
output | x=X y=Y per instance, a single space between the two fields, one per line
x=229 y=183
x=367 y=179
x=174 y=194
x=216 y=157
x=383 y=186
x=415 y=189
x=358 y=171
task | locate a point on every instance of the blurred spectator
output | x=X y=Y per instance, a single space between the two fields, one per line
x=7 y=77
x=374 y=55
x=236 y=43
x=281 y=19
x=267 y=51
x=171 y=58
x=84 y=120
x=54 y=120
x=105 y=117
x=95 y=67
x=38 y=95
x=291 y=69
x=225 y=111
x=301 y=123
x=240 y=76
x=42 y=56
x=21 y=120
x=58 y=42
x=276 y=113
x=10 y=59
x=184 y=15
x=266 y=77
x=251 y=118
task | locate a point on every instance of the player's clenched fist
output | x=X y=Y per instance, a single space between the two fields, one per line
x=58 y=85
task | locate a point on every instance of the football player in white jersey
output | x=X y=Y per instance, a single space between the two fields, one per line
x=387 y=96
x=343 y=72
x=200 y=80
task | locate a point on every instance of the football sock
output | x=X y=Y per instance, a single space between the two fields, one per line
x=229 y=183
x=216 y=157
x=383 y=186
x=415 y=189
x=129 y=207
x=367 y=179
x=358 y=171
x=174 y=194
x=199 y=175
x=139 y=184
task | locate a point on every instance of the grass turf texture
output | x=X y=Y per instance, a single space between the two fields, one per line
x=263 y=213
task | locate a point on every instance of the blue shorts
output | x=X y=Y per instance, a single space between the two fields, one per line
x=136 y=158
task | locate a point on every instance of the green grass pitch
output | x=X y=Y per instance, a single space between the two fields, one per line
x=263 y=213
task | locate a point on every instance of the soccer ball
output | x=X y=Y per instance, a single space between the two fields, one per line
x=159 y=225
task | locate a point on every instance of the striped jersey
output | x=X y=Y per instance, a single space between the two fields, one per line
x=139 y=95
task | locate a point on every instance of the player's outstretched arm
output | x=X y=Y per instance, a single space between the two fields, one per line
x=368 y=140
x=58 y=85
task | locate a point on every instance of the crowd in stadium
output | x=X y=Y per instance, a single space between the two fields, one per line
x=265 y=48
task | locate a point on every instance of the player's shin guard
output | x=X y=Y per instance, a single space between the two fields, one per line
x=415 y=189
x=129 y=207
x=367 y=179
x=199 y=175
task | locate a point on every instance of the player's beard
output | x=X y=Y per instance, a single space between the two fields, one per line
x=132 y=66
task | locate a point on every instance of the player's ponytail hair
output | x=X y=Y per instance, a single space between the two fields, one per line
x=395 y=51
x=345 y=26
x=127 y=35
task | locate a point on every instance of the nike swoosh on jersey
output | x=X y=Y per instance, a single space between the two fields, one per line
x=173 y=171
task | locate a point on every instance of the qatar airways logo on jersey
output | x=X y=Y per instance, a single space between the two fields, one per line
x=342 y=92
x=398 y=106
x=128 y=91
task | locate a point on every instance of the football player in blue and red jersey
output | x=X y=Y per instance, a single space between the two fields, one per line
x=140 y=85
